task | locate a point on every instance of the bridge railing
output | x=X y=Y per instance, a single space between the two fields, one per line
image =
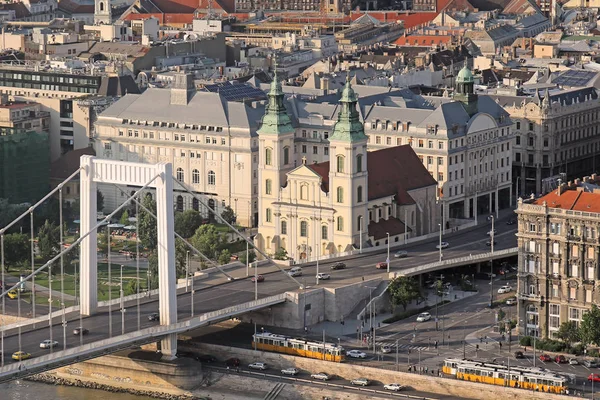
x=454 y=261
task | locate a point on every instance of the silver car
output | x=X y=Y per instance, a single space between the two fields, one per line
x=322 y=376
x=360 y=382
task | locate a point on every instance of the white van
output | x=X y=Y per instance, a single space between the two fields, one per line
x=296 y=271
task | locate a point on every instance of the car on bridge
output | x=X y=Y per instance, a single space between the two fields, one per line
x=321 y=376
x=394 y=387
x=443 y=245
x=360 y=382
x=12 y=294
x=290 y=371
x=80 y=331
x=206 y=358
x=491 y=232
x=48 y=344
x=401 y=254
x=323 y=277
x=424 y=317
x=296 y=271
x=154 y=317
x=489 y=243
x=258 y=365
x=356 y=354
x=258 y=278
x=505 y=289
x=20 y=355
x=338 y=265
x=233 y=362
x=381 y=265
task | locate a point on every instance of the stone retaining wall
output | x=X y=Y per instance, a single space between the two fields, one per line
x=422 y=383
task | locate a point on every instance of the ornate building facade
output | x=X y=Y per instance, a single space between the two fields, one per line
x=558 y=273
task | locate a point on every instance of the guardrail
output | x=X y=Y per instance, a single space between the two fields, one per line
x=319 y=383
x=107 y=346
x=454 y=261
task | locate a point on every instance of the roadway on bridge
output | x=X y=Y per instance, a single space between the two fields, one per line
x=224 y=294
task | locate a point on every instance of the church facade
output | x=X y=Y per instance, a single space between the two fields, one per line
x=356 y=199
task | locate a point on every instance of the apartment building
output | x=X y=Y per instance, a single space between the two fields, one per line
x=558 y=256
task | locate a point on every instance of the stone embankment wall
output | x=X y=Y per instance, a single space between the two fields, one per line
x=422 y=383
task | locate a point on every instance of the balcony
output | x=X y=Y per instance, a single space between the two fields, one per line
x=530 y=297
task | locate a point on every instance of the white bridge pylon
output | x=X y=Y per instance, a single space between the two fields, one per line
x=160 y=177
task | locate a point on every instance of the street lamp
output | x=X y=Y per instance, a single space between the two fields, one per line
x=440 y=246
x=122 y=305
x=388 y=252
x=492 y=263
x=360 y=229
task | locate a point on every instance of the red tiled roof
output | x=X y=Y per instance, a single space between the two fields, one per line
x=178 y=18
x=572 y=200
x=422 y=40
x=73 y=7
x=411 y=20
x=176 y=6
x=392 y=225
x=392 y=171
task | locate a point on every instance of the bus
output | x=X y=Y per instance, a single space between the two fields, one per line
x=531 y=378
x=298 y=347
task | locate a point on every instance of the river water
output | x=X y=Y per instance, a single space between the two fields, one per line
x=25 y=390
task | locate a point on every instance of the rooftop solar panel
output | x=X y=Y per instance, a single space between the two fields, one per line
x=575 y=78
x=236 y=91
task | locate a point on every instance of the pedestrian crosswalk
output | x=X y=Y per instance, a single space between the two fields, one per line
x=402 y=346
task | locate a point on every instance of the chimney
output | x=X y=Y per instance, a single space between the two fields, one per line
x=325 y=84
x=183 y=89
x=594 y=177
x=514 y=52
x=577 y=182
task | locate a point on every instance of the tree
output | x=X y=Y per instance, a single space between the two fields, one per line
x=281 y=254
x=225 y=257
x=124 y=218
x=17 y=249
x=251 y=257
x=153 y=270
x=501 y=314
x=403 y=290
x=99 y=201
x=568 y=332
x=590 y=326
x=9 y=212
x=132 y=287
x=49 y=240
x=181 y=251
x=103 y=242
x=187 y=222
x=439 y=288
x=228 y=215
x=207 y=240
x=147 y=224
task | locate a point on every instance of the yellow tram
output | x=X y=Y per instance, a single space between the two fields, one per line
x=530 y=378
x=298 y=347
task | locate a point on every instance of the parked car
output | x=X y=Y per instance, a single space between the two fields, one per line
x=206 y=358
x=154 y=317
x=401 y=254
x=233 y=362
x=519 y=354
x=290 y=371
x=356 y=354
x=20 y=355
x=322 y=376
x=594 y=378
x=386 y=349
x=80 y=331
x=573 y=361
x=360 y=382
x=590 y=363
x=511 y=301
x=545 y=358
x=338 y=265
x=560 y=359
x=323 y=277
x=258 y=278
x=442 y=245
x=505 y=289
x=381 y=265
x=424 y=317
x=258 y=365
x=48 y=344
x=395 y=387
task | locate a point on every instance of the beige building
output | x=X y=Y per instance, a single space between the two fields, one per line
x=23 y=115
x=333 y=207
x=558 y=257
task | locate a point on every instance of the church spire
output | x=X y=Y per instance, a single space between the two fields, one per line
x=276 y=121
x=348 y=127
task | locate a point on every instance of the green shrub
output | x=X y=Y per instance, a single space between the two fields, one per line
x=577 y=349
x=525 y=341
x=593 y=353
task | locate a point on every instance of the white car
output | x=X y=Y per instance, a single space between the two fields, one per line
x=321 y=376
x=511 y=301
x=442 y=245
x=48 y=344
x=573 y=361
x=323 y=277
x=395 y=387
x=290 y=371
x=258 y=365
x=356 y=354
x=401 y=254
x=505 y=289
x=424 y=317
x=491 y=231
x=386 y=349
x=360 y=382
